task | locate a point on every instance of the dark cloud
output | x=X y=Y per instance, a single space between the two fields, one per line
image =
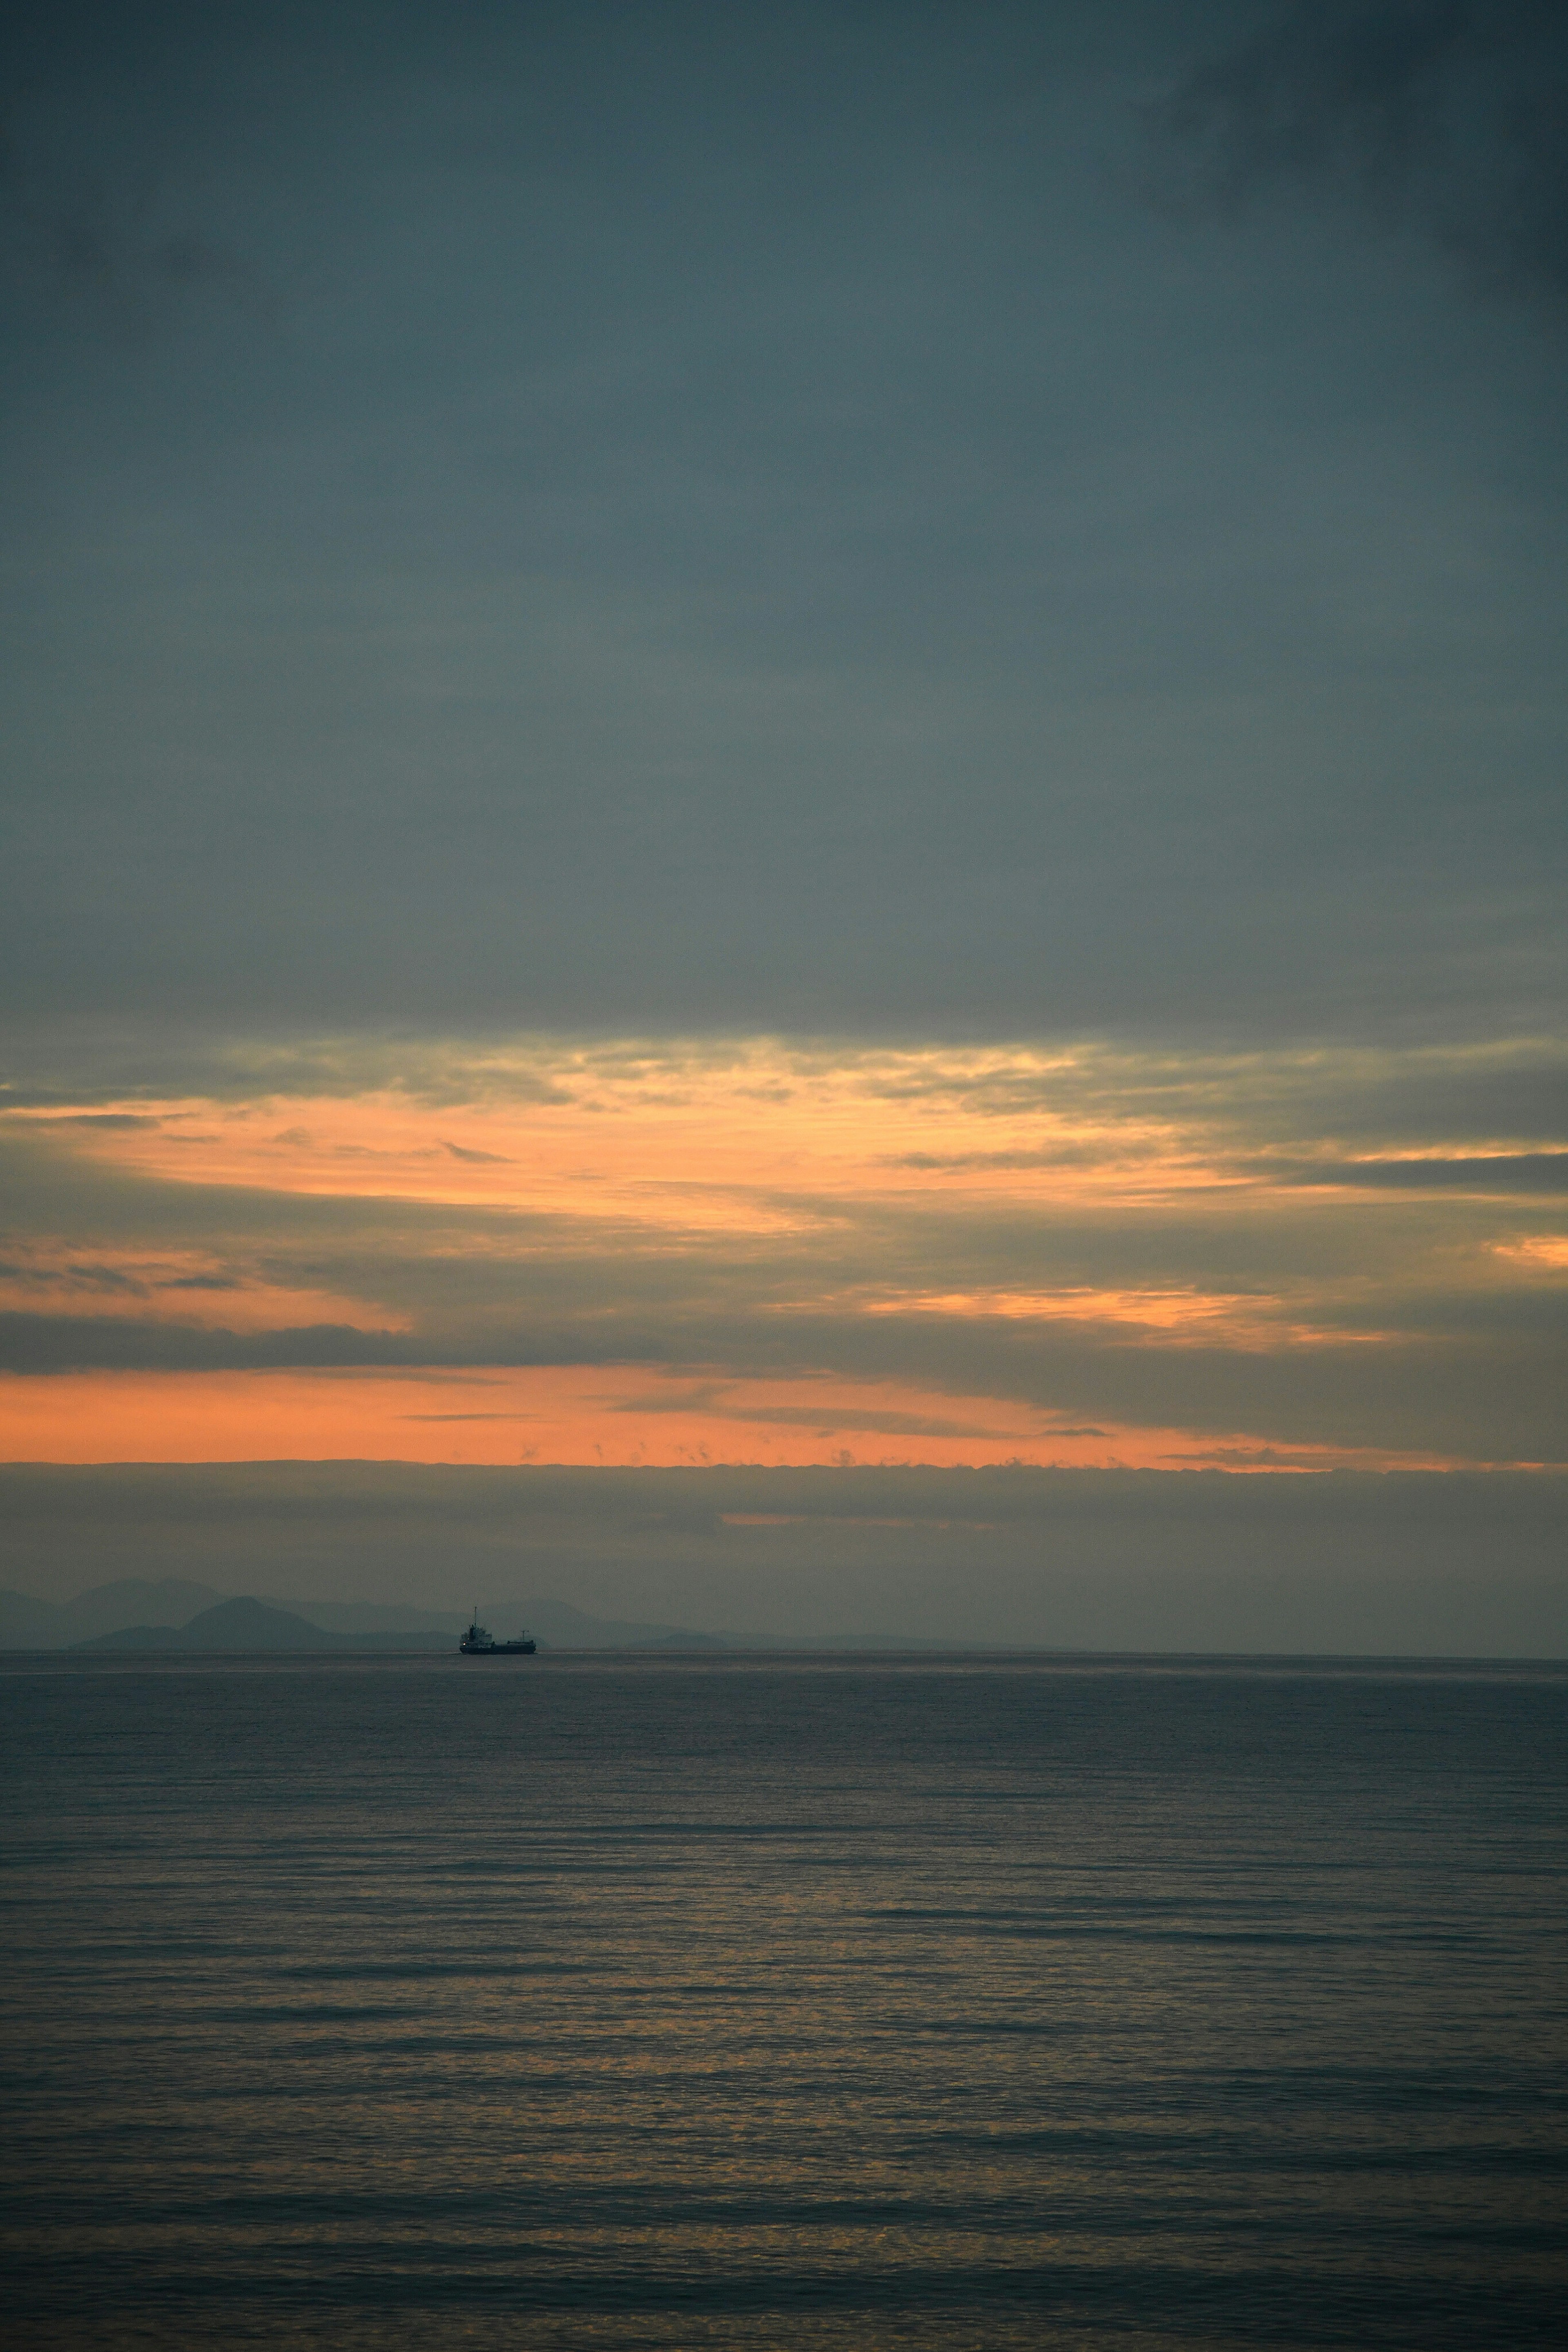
x=106 y=1120
x=952 y=1163
x=1516 y=1171
x=80 y=1273
x=72 y=230
x=467 y=1416
x=68 y=1343
x=56 y=1065
x=1450 y=115
x=747 y=524
x=826 y=1420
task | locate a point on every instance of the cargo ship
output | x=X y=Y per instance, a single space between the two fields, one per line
x=478 y=1644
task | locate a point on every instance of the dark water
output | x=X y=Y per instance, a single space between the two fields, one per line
x=774 y=2003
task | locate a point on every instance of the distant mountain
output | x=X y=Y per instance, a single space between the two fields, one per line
x=142 y=1614
x=27 y=1624
x=242 y=1625
x=173 y=1613
x=247 y=1624
x=251 y=1624
x=135 y=1637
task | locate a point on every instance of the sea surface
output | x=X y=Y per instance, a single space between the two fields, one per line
x=760 y=2001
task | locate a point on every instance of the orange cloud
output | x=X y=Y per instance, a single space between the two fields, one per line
x=762 y=1139
x=767 y=1181
x=1538 y=1253
x=615 y=1415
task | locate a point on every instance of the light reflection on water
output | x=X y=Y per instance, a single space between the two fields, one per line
x=614 y=2002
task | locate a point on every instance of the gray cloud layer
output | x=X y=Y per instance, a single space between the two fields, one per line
x=1511 y=1172
x=1453 y=115
x=747 y=518
x=1103 y=1559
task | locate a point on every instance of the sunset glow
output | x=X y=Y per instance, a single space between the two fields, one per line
x=753 y=1253
x=680 y=1137
x=612 y=1417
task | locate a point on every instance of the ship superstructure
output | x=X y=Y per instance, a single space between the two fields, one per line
x=478 y=1642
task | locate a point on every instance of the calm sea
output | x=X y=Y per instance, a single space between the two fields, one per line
x=613 y=2002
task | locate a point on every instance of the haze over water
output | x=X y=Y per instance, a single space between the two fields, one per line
x=762 y=2002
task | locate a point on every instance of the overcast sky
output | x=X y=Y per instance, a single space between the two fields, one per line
x=971 y=518
x=843 y=545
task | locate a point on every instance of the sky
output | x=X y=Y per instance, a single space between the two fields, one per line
x=806 y=736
